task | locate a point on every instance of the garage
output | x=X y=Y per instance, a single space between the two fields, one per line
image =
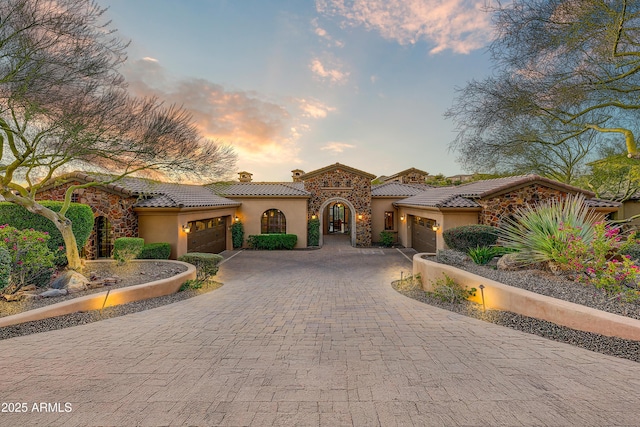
x=207 y=235
x=423 y=238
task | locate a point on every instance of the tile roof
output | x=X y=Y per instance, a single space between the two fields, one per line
x=463 y=196
x=156 y=194
x=337 y=166
x=602 y=203
x=239 y=189
x=395 y=188
x=406 y=172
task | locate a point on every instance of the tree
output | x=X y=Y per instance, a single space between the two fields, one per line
x=64 y=105
x=614 y=176
x=564 y=69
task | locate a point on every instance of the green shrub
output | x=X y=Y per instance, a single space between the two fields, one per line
x=237 y=234
x=632 y=250
x=155 y=251
x=206 y=264
x=467 y=237
x=5 y=267
x=81 y=217
x=386 y=239
x=127 y=248
x=313 y=232
x=481 y=255
x=32 y=262
x=544 y=232
x=191 y=284
x=448 y=290
x=272 y=241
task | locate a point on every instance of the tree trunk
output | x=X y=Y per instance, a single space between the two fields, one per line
x=62 y=223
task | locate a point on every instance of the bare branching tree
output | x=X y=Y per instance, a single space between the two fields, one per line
x=564 y=69
x=64 y=105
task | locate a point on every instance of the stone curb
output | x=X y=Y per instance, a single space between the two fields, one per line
x=97 y=301
x=507 y=298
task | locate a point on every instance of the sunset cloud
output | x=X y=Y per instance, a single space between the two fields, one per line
x=259 y=129
x=314 y=108
x=337 y=147
x=458 y=25
x=329 y=73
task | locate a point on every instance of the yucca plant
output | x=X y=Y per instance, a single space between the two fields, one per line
x=543 y=232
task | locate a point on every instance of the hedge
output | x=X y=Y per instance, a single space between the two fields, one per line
x=206 y=264
x=237 y=234
x=467 y=237
x=155 y=251
x=272 y=241
x=80 y=215
x=313 y=232
x=127 y=248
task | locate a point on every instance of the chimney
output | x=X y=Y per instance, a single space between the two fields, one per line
x=296 y=174
x=244 y=176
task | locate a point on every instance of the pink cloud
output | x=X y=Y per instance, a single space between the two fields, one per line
x=459 y=25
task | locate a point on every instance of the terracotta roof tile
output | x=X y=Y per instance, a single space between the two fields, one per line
x=239 y=189
x=395 y=188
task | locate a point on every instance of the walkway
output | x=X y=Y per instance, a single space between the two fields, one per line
x=311 y=338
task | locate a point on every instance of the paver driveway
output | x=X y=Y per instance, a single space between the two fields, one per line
x=311 y=338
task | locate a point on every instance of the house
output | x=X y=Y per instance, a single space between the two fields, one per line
x=194 y=218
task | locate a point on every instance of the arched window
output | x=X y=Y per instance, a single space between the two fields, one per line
x=273 y=221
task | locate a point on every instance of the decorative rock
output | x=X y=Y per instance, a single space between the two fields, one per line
x=108 y=281
x=95 y=284
x=54 y=293
x=28 y=288
x=71 y=281
x=509 y=262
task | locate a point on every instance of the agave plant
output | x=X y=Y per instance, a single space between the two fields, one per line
x=539 y=233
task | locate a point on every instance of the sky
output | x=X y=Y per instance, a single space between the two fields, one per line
x=302 y=84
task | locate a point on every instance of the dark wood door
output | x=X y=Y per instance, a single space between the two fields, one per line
x=423 y=238
x=208 y=235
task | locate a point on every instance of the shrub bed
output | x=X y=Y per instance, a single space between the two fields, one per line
x=81 y=217
x=155 y=251
x=272 y=241
x=206 y=264
x=467 y=237
x=127 y=248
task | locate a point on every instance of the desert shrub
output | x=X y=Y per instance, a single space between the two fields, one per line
x=543 y=232
x=206 y=264
x=632 y=250
x=32 y=262
x=191 y=284
x=80 y=215
x=313 y=232
x=237 y=234
x=127 y=248
x=386 y=239
x=481 y=255
x=448 y=290
x=467 y=237
x=5 y=267
x=272 y=241
x=155 y=251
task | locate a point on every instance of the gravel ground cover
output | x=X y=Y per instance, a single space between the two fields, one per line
x=145 y=272
x=544 y=283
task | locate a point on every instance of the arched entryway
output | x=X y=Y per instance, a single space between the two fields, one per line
x=338 y=216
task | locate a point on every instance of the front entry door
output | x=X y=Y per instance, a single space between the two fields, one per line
x=338 y=218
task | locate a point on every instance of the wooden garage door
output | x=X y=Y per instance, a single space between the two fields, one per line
x=423 y=238
x=207 y=235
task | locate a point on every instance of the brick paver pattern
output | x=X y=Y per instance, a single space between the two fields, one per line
x=309 y=338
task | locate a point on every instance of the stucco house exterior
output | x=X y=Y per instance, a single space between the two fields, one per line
x=194 y=218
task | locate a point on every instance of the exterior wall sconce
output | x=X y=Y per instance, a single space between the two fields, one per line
x=360 y=216
x=435 y=227
x=313 y=216
x=402 y=218
x=186 y=228
x=237 y=219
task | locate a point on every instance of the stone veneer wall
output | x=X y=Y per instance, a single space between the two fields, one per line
x=352 y=187
x=118 y=209
x=504 y=205
x=413 y=178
